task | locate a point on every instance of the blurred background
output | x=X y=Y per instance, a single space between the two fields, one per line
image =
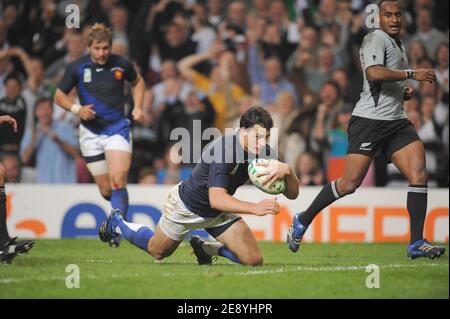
x=211 y=60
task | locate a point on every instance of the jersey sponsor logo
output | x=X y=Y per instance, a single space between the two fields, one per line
x=87 y=75
x=366 y=146
x=99 y=69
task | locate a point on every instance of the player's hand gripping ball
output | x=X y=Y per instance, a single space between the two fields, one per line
x=274 y=188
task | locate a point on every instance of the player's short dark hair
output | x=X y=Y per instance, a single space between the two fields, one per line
x=381 y=2
x=256 y=115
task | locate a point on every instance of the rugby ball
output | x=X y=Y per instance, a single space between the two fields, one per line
x=275 y=188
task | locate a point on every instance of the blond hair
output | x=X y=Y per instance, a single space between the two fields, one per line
x=100 y=33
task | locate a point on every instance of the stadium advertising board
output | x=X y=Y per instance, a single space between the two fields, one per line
x=373 y=215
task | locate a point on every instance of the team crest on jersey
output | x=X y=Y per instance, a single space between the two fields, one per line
x=118 y=73
x=87 y=75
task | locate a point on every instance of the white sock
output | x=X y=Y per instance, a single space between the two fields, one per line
x=212 y=247
x=134 y=227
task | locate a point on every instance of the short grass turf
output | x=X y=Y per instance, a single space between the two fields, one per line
x=316 y=271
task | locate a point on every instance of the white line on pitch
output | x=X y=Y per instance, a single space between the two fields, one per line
x=329 y=269
x=243 y=273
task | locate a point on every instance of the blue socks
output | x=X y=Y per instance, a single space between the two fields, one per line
x=119 y=200
x=138 y=235
x=225 y=252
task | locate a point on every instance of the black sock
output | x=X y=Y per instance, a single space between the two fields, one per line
x=327 y=196
x=417 y=209
x=4 y=236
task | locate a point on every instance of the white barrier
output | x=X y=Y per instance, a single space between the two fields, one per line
x=369 y=215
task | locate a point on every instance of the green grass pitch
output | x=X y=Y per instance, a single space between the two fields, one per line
x=316 y=271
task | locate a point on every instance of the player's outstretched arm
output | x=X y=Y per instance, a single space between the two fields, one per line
x=380 y=73
x=219 y=199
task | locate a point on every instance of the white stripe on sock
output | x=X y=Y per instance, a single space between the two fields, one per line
x=334 y=189
x=418 y=189
x=212 y=247
x=133 y=227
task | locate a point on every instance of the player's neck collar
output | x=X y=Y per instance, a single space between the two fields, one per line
x=97 y=64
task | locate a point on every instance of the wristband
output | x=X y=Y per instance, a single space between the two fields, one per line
x=75 y=108
x=410 y=74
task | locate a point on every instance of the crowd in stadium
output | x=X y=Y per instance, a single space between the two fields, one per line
x=211 y=60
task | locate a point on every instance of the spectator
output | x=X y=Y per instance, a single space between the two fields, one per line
x=416 y=52
x=53 y=144
x=236 y=13
x=176 y=43
x=309 y=171
x=36 y=85
x=315 y=77
x=441 y=111
x=412 y=104
x=145 y=140
x=147 y=176
x=427 y=33
x=341 y=78
x=203 y=34
x=267 y=77
x=281 y=36
x=118 y=18
x=4 y=44
x=303 y=57
x=223 y=93
x=244 y=104
x=171 y=86
x=324 y=16
x=260 y=9
x=442 y=66
x=328 y=108
x=12 y=165
x=120 y=47
x=75 y=49
x=214 y=12
x=12 y=104
x=172 y=173
x=187 y=114
x=283 y=114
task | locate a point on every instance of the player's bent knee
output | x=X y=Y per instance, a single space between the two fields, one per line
x=157 y=256
x=255 y=260
x=160 y=255
x=258 y=261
